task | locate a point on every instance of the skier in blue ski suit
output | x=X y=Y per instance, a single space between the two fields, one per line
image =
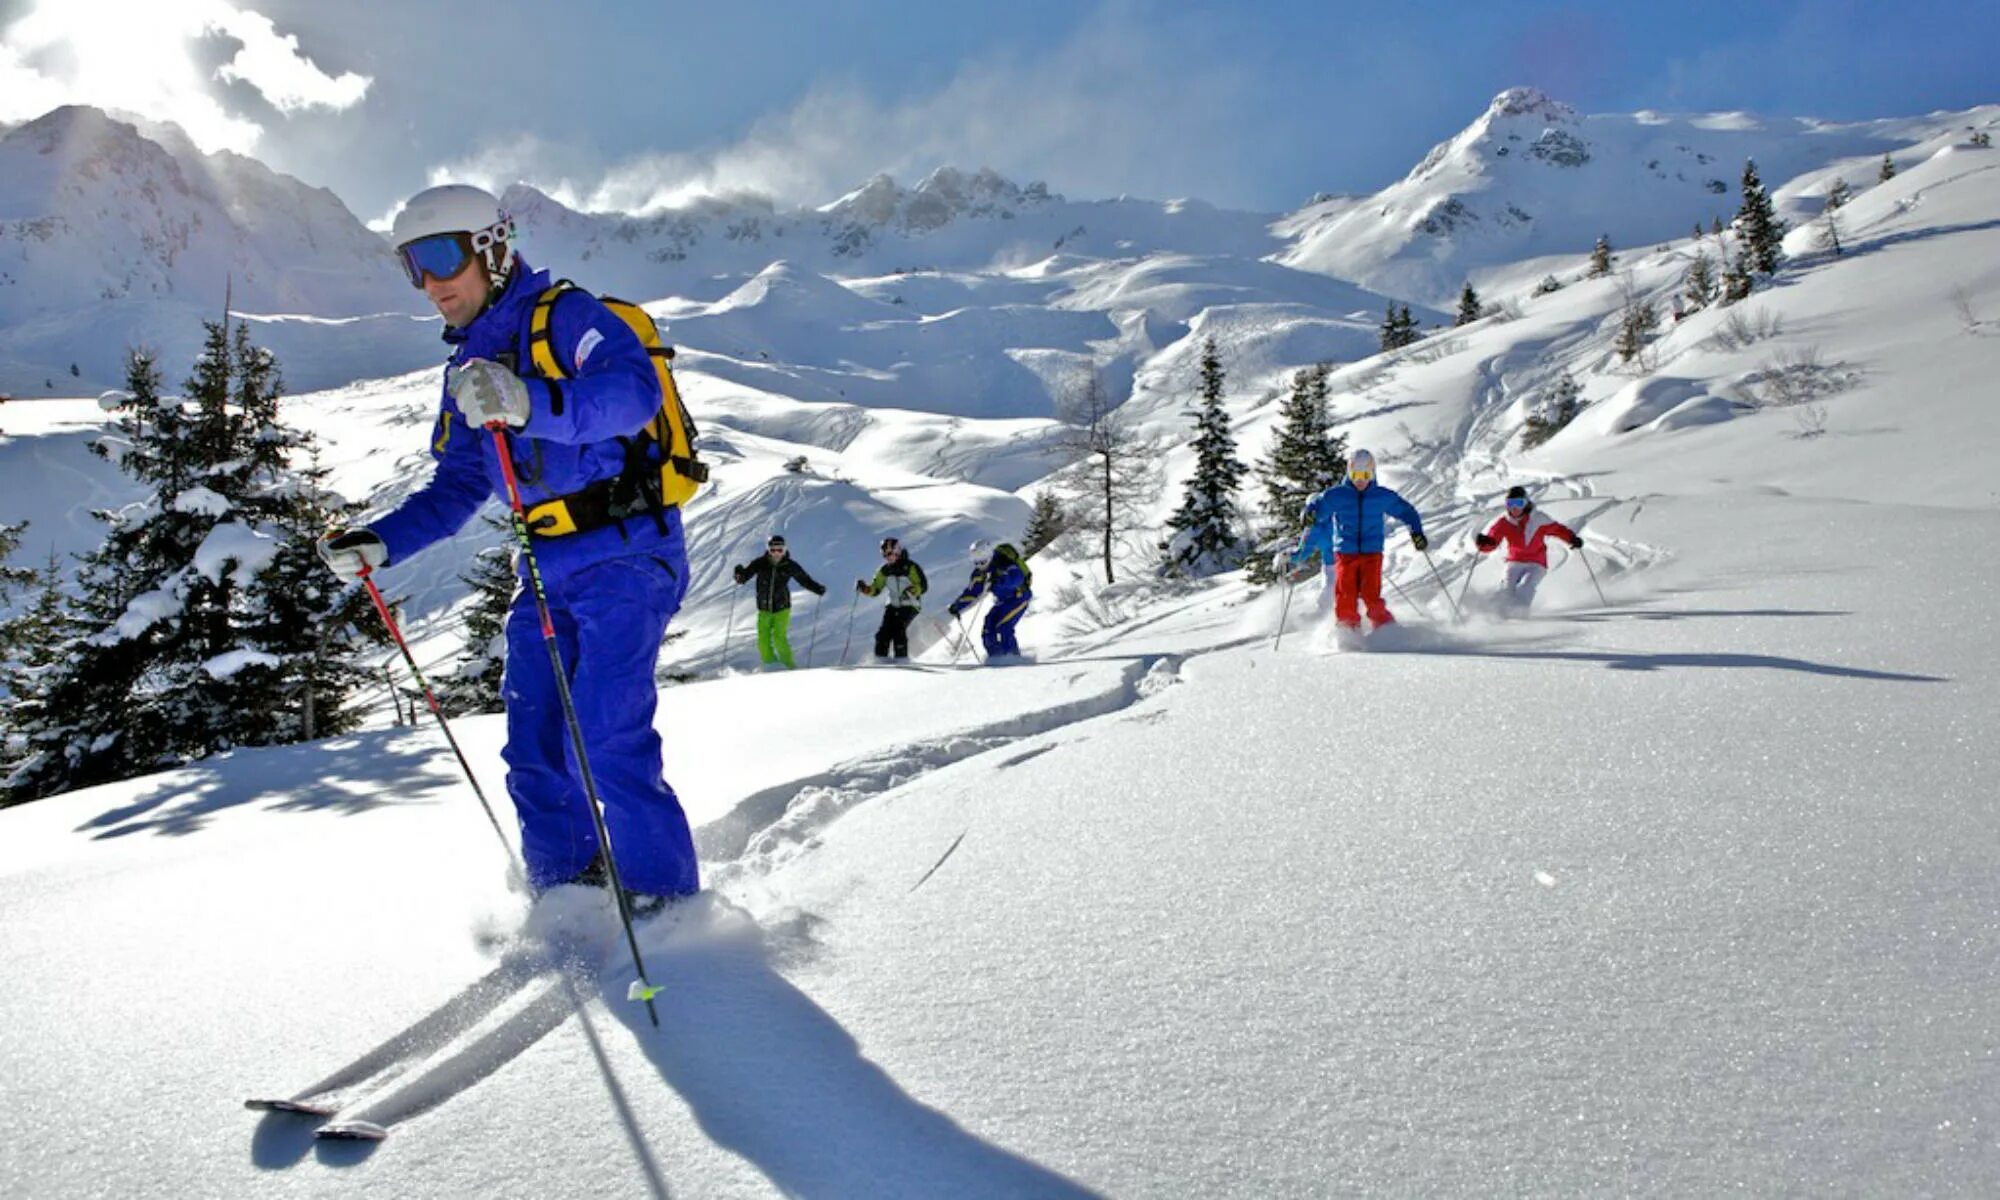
x=613 y=584
x=1346 y=525
x=1000 y=572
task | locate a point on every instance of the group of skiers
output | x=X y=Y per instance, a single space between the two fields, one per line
x=549 y=397
x=1346 y=528
x=901 y=583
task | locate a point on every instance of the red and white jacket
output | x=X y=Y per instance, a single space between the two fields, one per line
x=1527 y=539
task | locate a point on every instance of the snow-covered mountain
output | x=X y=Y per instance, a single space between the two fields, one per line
x=1532 y=177
x=111 y=237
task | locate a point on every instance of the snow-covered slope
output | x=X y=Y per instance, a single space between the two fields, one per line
x=1531 y=177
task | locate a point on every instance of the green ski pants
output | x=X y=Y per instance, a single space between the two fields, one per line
x=774 y=643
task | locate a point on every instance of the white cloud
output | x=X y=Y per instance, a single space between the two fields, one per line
x=137 y=57
x=270 y=62
x=1122 y=105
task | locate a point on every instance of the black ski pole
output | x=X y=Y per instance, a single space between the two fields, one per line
x=1593 y=577
x=812 y=633
x=642 y=988
x=410 y=660
x=1456 y=615
x=849 y=643
x=1283 y=610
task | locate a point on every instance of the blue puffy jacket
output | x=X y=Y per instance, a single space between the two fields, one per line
x=1351 y=520
x=569 y=441
x=1004 y=579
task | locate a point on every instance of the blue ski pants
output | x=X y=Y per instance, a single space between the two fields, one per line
x=998 y=633
x=610 y=617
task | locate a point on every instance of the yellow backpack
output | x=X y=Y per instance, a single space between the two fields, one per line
x=672 y=429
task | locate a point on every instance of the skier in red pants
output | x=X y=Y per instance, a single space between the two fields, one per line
x=1347 y=523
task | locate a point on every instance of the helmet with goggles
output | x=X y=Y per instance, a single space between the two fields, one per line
x=443 y=228
x=1361 y=468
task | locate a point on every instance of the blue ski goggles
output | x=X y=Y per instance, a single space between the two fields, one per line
x=1516 y=503
x=440 y=256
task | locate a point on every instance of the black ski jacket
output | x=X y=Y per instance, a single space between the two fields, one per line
x=774 y=592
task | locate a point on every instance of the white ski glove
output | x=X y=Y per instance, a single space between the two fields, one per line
x=349 y=552
x=487 y=392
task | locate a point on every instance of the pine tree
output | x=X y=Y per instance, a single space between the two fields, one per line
x=1469 y=307
x=204 y=620
x=474 y=687
x=1739 y=278
x=12 y=577
x=1399 y=328
x=1601 y=257
x=1046 y=522
x=1548 y=284
x=1637 y=319
x=1758 y=222
x=1698 y=286
x=1838 y=194
x=1306 y=458
x=29 y=644
x=1558 y=408
x=1206 y=520
x=1887 y=171
x=1715 y=227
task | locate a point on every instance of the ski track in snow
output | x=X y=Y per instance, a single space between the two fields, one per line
x=771 y=826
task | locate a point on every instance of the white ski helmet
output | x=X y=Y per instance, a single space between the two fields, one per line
x=981 y=552
x=443 y=226
x=1361 y=468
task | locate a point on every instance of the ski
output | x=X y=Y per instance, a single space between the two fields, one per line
x=551 y=999
x=418 y=1041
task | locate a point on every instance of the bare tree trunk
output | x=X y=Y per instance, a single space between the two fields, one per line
x=1109 y=496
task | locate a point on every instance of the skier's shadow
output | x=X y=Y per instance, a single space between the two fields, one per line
x=771 y=1077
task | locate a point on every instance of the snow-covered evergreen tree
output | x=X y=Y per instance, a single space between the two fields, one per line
x=1737 y=280
x=1469 y=307
x=474 y=686
x=1205 y=525
x=1548 y=284
x=1601 y=257
x=1306 y=458
x=1887 y=171
x=1557 y=408
x=30 y=642
x=1698 y=285
x=204 y=621
x=1838 y=194
x=1046 y=522
x=1637 y=319
x=1758 y=223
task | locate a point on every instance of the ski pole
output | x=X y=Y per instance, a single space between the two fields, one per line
x=410 y=660
x=958 y=640
x=849 y=643
x=729 y=626
x=812 y=634
x=1405 y=595
x=1283 y=610
x=1465 y=587
x=1593 y=576
x=1456 y=615
x=642 y=988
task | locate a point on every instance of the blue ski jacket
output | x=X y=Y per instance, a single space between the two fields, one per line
x=570 y=439
x=1348 y=520
x=1004 y=579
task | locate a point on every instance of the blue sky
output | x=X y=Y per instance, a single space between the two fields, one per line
x=1248 y=104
